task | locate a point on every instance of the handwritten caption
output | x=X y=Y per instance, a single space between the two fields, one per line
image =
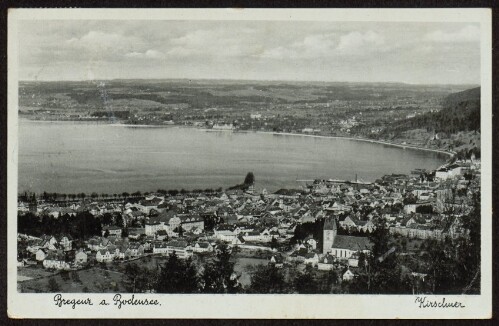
x=424 y=302
x=118 y=300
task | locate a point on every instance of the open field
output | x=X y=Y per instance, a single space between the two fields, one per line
x=92 y=280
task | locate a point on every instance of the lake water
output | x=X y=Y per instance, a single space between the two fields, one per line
x=73 y=157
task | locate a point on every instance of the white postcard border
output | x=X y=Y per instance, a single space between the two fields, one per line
x=23 y=305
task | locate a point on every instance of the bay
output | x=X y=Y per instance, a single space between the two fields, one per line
x=73 y=157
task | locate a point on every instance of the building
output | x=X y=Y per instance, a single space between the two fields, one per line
x=190 y=222
x=81 y=257
x=326 y=263
x=330 y=231
x=104 y=256
x=202 y=246
x=348 y=275
x=342 y=246
x=56 y=260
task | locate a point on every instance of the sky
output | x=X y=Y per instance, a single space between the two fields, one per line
x=417 y=53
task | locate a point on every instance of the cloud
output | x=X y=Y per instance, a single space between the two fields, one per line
x=216 y=42
x=469 y=33
x=106 y=45
x=149 y=54
x=356 y=41
x=325 y=45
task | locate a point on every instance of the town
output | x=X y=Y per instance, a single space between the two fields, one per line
x=346 y=236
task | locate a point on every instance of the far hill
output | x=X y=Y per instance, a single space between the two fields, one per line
x=455 y=127
x=472 y=94
x=460 y=112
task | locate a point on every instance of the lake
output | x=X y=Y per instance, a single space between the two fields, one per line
x=73 y=157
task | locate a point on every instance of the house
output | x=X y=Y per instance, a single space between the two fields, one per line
x=450 y=171
x=114 y=231
x=349 y=222
x=226 y=232
x=56 y=260
x=160 y=247
x=298 y=255
x=239 y=240
x=180 y=248
x=277 y=261
x=311 y=258
x=353 y=260
x=49 y=242
x=104 y=256
x=135 y=233
x=161 y=235
x=311 y=242
x=81 y=258
x=97 y=243
x=135 y=249
x=66 y=242
x=326 y=263
x=41 y=254
x=348 y=275
x=190 y=222
x=169 y=221
x=202 y=246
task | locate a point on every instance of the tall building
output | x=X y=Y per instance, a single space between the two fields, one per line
x=330 y=231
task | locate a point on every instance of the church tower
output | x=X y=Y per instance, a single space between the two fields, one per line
x=330 y=230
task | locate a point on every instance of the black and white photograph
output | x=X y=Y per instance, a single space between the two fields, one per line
x=237 y=155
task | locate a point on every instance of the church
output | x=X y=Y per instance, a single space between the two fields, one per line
x=342 y=246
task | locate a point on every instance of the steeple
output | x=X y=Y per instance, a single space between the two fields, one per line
x=330 y=230
x=330 y=224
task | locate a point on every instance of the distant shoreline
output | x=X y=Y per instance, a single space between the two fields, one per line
x=441 y=151
x=365 y=140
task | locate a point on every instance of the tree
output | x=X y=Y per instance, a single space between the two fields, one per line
x=250 y=179
x=273 y=243
x=327 y=281
x=177 y=276
x=75 y=276
x=306 y=282
x=138 y=280
x=453 y=265
x=107 y=219
x=218 y=276
x=382 y=272
x=119 y=220
x=179 y=230
x=65 y=275
x=53 y=286
x=267 y=279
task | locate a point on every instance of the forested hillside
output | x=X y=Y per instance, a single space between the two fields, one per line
x=461 y=112
x=456 y=127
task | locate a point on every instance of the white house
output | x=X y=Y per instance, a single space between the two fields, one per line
x=348 y=275
x=202 y=246
x=311 y=259
x=41 y=254
x=326 y=263
x=81 y=257
x=104 y=255
x=56 y=260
